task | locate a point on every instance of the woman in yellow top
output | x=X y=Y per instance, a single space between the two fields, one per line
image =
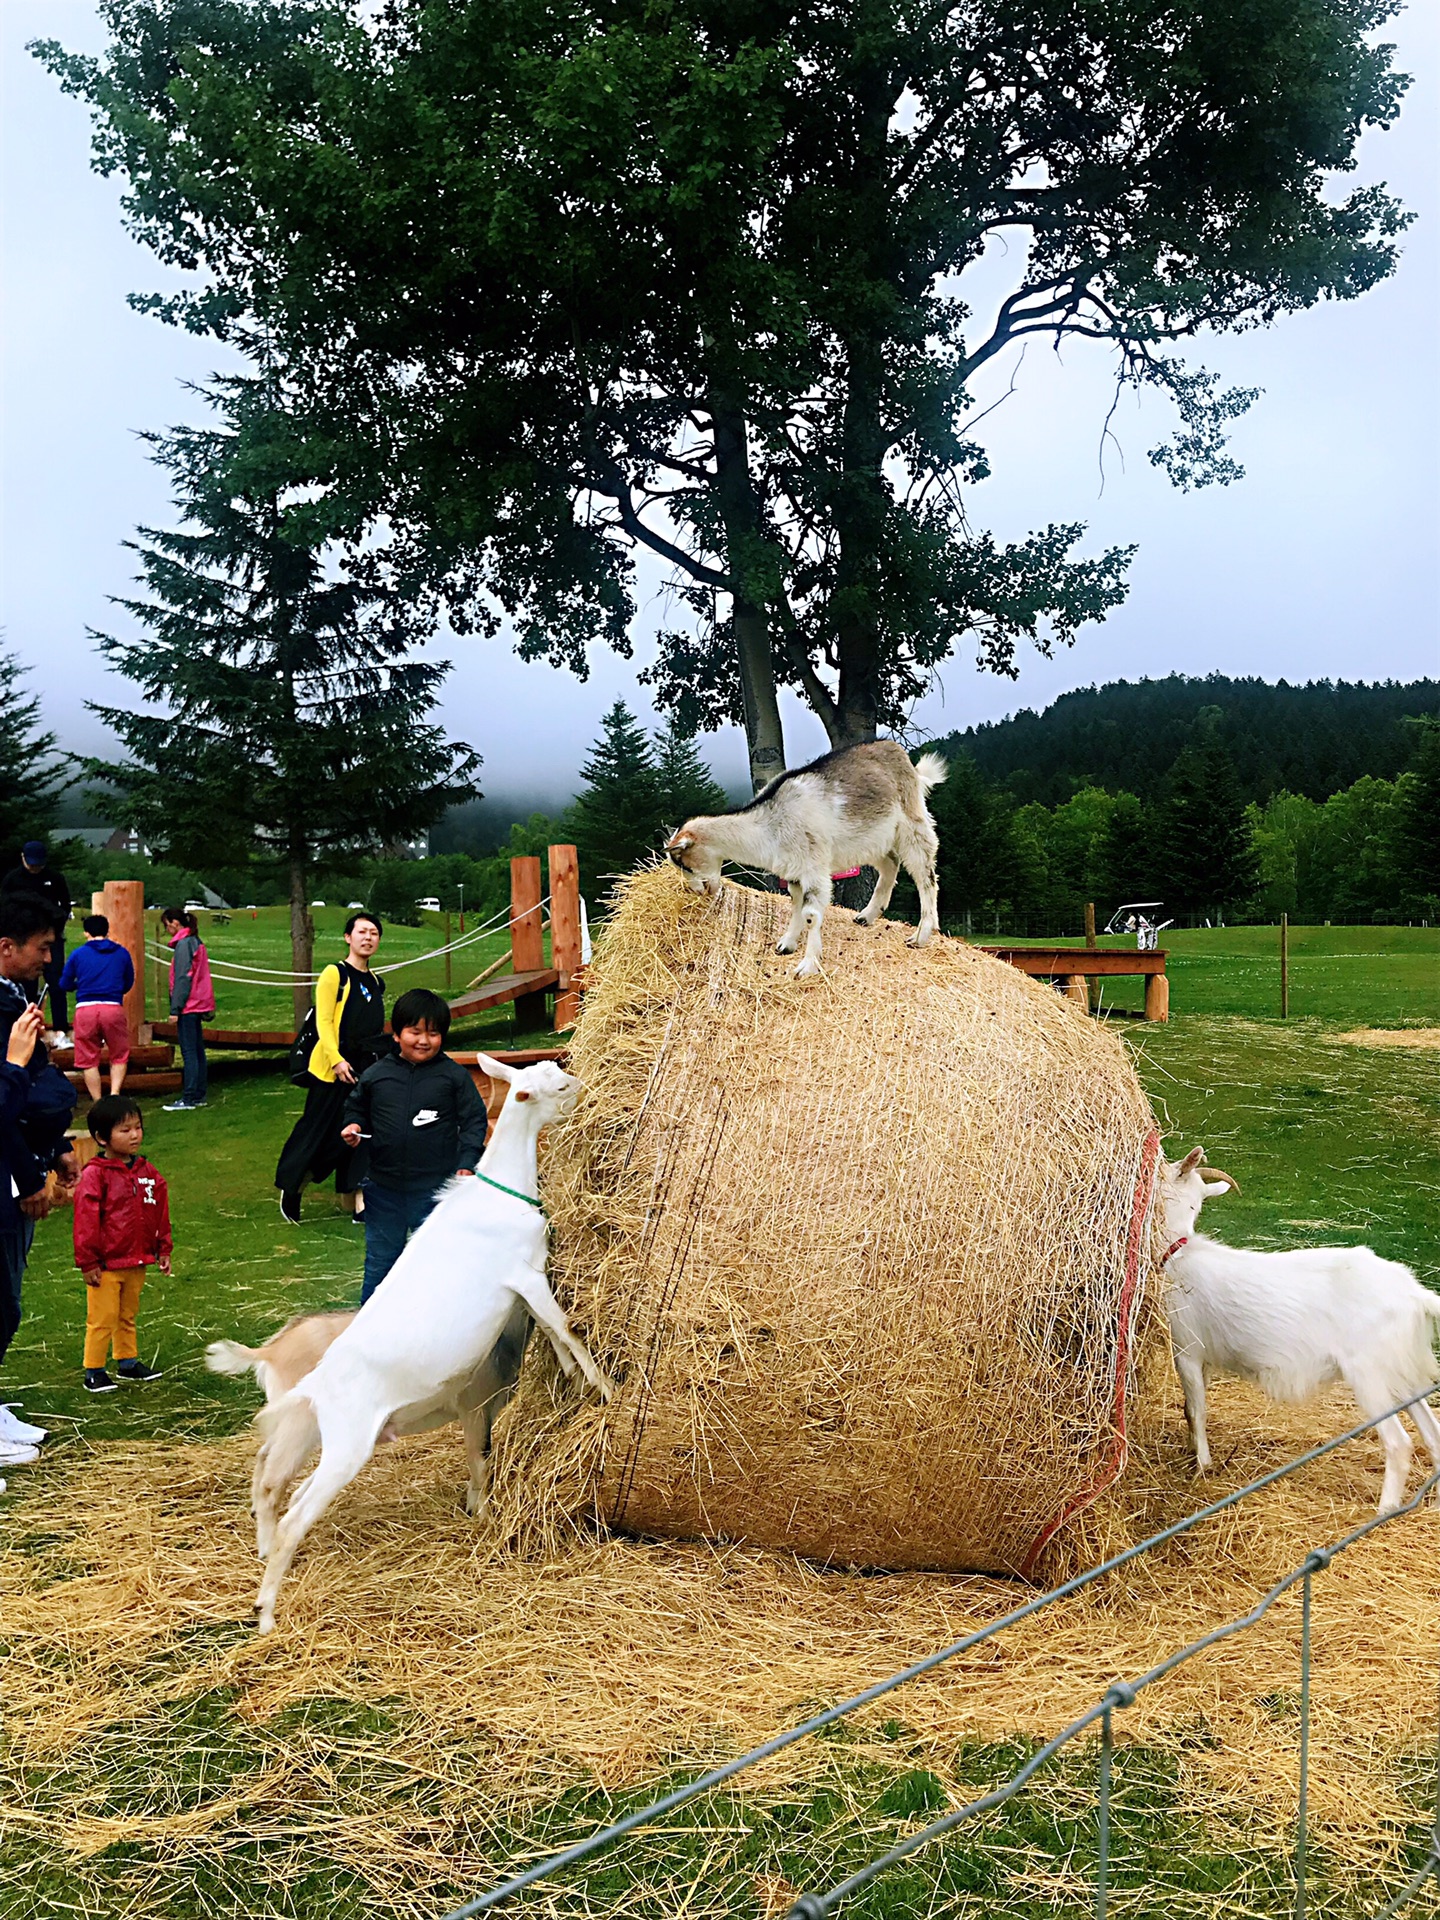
x=349 y=1025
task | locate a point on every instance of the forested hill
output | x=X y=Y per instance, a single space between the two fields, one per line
x=1313 y=740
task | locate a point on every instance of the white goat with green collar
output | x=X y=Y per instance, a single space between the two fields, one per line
x=420 y=1342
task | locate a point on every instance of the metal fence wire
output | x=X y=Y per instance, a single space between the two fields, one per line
x=818 y=1904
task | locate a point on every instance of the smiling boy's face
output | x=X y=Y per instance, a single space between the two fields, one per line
x=419 y=1044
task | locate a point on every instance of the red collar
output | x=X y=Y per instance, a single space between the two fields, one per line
x=1174 y=1247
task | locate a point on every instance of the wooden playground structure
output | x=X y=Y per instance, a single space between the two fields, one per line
x=529 y=986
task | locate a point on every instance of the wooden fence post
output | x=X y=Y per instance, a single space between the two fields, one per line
x=565 y=932
x=1284 y=966
x=527 y=938
x=124 y=908
x=447 y=950
x=1090 y=923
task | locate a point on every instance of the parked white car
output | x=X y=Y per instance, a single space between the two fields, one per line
x=317 y=903
x=429 y=904
x=196 y=906
x=350 y=905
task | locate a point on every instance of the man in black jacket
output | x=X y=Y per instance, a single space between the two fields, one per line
x=36 y=876
x=32 y=1139
x=425 y=1123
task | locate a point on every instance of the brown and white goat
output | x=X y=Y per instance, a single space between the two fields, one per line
x=861 y=806
x=283 y=1360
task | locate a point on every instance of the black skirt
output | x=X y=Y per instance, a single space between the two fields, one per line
x=315 y=1150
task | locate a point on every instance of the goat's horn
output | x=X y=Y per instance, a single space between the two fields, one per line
x=1214 y=1173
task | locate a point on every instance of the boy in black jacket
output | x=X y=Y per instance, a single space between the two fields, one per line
x=425 y=1122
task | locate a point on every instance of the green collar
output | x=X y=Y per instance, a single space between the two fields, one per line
x=514 y=1192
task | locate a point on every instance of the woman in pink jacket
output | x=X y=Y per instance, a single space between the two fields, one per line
x=192 y=1001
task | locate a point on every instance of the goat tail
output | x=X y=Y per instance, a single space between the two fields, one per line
x=1431 y=1302
x=930 y=770
x=228 y=1356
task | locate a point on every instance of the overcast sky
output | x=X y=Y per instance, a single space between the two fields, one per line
x=1321 y=562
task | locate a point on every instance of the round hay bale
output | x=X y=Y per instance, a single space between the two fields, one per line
x=864 y=1257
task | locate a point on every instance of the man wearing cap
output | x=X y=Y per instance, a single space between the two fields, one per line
x=36 y=875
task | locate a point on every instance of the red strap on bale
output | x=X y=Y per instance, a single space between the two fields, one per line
x=1139 y=1220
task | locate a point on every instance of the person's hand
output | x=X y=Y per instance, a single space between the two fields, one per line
x=67 y=1170
x=163 y=1263
x=464 y=1173
x=23 y=1035
x=351 y=1134
x=35 y=1206
x=92 y=1276
x=345 y=1074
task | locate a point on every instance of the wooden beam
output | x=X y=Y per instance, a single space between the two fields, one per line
x=124 y=908
x=527 y=940
x=565 y=932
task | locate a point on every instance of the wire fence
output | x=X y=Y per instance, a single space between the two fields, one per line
x=239 y=973
x=817 y=1904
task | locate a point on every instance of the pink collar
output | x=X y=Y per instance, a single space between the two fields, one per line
x=1174 y=1247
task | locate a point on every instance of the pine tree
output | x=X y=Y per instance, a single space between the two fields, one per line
x=1209 y=861
x=618 y=818
x=970 y=824
x=685 y=784
x=1417 y=801
x=1126 y=860
x=27 y=771
x=293 y=714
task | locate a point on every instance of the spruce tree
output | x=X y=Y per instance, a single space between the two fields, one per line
x=1209 y=863
x=685 y=784
x=292 y=723
x=618 y=818
x=27 y=769
x=1417 y=804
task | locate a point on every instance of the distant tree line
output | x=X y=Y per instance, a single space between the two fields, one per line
x=1369 y=852
x=1312 y=740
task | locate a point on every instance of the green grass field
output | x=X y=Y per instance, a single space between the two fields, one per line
x=1330 y=1141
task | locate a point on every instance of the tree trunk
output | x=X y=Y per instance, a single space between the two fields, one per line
x=302 y=938
x=861 y=500
x=750 y=626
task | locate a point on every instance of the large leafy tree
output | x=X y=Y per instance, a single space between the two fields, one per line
x=284 y=712
x=582 y=278
x=28 y=771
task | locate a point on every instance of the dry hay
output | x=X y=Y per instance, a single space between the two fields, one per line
x=516 y=1679
x=867 y=1259
x=1424 y=1038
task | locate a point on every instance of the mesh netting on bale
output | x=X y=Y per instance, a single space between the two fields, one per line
x=866 y=1258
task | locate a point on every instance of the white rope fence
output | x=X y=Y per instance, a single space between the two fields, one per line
x=239 y=973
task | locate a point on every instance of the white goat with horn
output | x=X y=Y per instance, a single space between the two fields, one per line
x=861 y=806
x=417 y=1344
x=1294 y=1322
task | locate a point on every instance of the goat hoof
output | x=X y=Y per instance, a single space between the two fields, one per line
x=783 y=946
x=807 y=969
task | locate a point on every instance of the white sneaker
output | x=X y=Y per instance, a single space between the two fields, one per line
x=19 y=1433
x=16 y=1456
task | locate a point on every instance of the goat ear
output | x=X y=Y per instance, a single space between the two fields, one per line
x=680 y=842
x=1190 y=1162
x=496 y=1069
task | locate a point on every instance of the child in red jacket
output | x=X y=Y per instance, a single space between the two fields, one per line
x=122 y=1226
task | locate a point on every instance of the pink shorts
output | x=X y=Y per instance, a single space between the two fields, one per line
x=97 y=1020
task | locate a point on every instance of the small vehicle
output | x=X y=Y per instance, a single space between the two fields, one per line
x=317 y=903
x=1136 y=917
x=196 y=906
x=350 y=905
x=429 y=904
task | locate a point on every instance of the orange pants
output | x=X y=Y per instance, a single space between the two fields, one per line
x=110 y=1311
